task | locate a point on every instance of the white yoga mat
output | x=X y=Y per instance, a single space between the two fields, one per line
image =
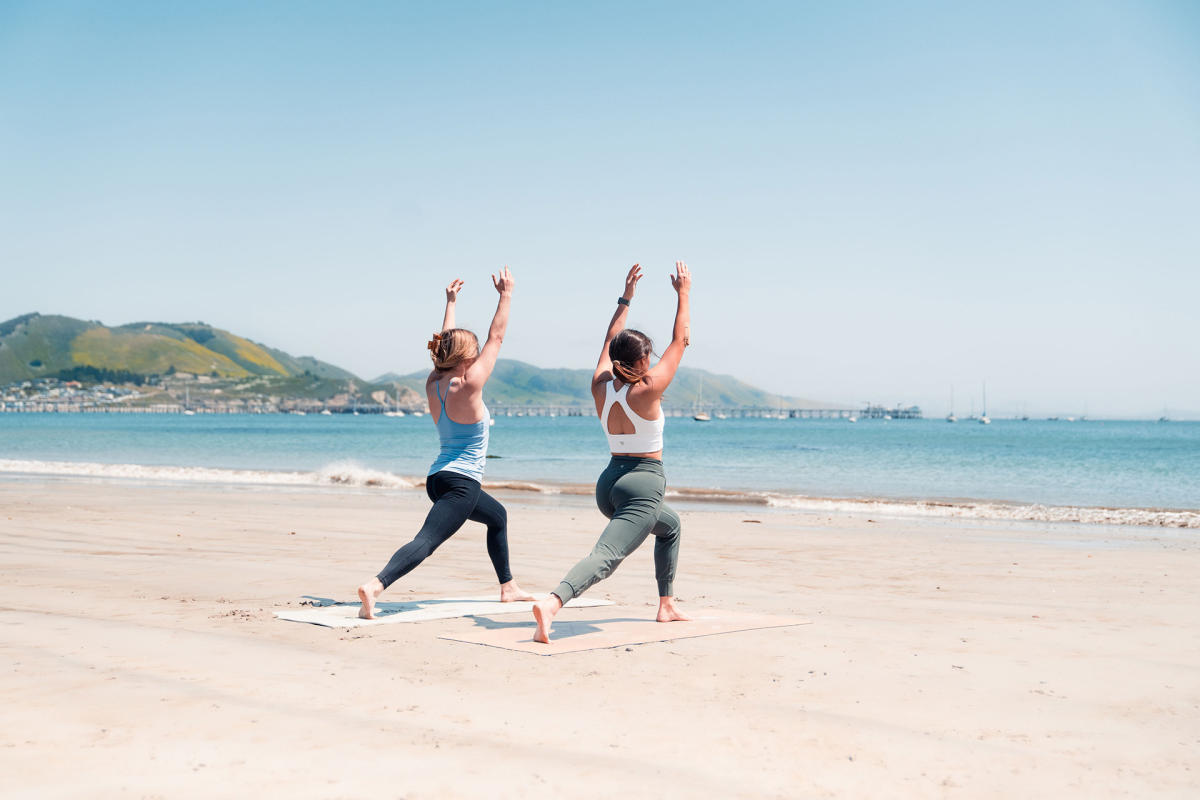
x=333 y=614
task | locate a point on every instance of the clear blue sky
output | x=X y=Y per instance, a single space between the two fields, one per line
x=878 y=199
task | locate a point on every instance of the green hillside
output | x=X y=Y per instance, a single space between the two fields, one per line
x=518 y=383
x=33 y=346
x=36 y=345
x=42 y=346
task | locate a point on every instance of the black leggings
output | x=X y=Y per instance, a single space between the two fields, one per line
x=456 y=499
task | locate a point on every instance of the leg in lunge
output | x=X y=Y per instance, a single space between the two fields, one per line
x=454 y=499
x=631 y=522
x=491 y=513
x=666 y=558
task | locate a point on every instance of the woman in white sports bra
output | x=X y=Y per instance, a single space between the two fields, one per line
x=628 y=395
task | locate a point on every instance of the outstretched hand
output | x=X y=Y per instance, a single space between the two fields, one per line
x=681 y=281
x=453 y=289
x=504 y=283
x=631 y=279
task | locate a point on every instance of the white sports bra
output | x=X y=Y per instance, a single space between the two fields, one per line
x=648 y=433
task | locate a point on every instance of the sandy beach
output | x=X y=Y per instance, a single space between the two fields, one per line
x=946 y=658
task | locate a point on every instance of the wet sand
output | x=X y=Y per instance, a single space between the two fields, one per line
x=947 y=658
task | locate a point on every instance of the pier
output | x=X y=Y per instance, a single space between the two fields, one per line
x=497 y=409
x=723 y=412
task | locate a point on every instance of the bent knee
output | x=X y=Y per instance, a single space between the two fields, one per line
x=667 y=531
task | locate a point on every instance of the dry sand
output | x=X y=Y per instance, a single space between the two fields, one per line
x=945 y=659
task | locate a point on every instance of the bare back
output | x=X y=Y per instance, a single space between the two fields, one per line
x=464 y=401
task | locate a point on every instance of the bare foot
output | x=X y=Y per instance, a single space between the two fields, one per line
x=367 y=594
x=667 y=612
x=510 y=593
x=543 y=614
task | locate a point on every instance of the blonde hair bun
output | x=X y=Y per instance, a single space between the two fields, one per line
x=450 y=348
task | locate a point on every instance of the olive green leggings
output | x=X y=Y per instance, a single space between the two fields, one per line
x=630 y=493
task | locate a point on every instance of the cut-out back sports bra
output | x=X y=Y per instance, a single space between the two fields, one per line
x=648 y=433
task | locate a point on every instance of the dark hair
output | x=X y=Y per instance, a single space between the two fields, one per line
x=626 y=350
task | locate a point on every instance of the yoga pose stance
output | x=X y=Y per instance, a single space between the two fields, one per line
x=455 y=392
x=628 y=394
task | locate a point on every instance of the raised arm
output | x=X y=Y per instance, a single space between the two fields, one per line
x=616 y=325
x=481 y=370
x=451 y=298
x=662 y=372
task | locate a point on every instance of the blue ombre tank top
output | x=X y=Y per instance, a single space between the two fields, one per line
x=464 y=447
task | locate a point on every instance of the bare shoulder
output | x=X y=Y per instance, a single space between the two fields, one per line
x=650 y=387
x=469 y=386
x=599 y=388
x=475 y=377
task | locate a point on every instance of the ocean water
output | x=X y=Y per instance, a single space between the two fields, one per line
x=1116 y=471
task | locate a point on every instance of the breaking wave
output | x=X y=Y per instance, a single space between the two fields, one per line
x=1153 y=517
x=341 y=473
x=352 y=474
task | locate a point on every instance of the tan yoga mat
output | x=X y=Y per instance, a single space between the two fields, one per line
x=333 y=614
x=573 y=633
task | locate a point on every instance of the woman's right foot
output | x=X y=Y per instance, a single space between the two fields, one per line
x=543 y=615
x=667 y=612
x=367 y=594
x=511 y=593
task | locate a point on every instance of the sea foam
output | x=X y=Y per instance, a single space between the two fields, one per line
x=341 y=473
x=353 y=474
x=1162 y=518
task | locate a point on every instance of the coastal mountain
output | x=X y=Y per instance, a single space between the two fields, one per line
x=39 y=346
x=518 y=383
x=36 y=346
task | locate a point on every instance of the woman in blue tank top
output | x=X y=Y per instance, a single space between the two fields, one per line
x=628 y=395
x=454 y=389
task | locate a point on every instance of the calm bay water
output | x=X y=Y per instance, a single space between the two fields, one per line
x=1092 y=463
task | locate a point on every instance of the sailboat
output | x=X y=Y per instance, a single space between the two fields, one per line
x=984 y=419
x=395 y=412
x=950 y=417
x=700 y=415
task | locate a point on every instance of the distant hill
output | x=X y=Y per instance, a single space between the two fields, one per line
x=46 y=346
x=518 y=383
x=37 y=346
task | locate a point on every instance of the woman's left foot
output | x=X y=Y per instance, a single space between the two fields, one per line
x=667 y=612
x=510 y=593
